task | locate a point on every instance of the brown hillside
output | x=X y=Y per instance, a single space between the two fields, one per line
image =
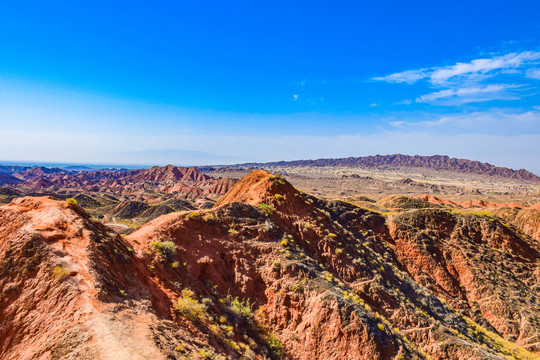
x=65 y=283
x=6 y=179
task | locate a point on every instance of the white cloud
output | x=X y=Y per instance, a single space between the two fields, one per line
x=398 y=124
x=469 y=94
x=476 y=70
x=404 y=102
x=463 y=83
x=409 y=76
x=534 y=73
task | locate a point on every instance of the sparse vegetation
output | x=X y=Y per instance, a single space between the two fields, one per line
x=193 y=215
x=60 y=272
x=189 y=307
x=266 y=209
x=241 y=307
x=275 y=345
x=208 y=217
x=322 y=254
x=276 y=179
x=480 y=213
x=71 y=201
x=164 y=248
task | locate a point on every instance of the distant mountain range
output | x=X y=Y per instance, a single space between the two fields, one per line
x=166 y=179
x=435 y=162
x=388 y=162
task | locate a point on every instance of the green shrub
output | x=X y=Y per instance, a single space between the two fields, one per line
x=274 y=343
x=164 y=248
x=276 y=179
x=243 y=308
x=71 y=201
x=60 y=272
x=481 y=213
x=189 y=307
x=209 y=217
x=297 y=288
x=193 y=215
x=266 y=209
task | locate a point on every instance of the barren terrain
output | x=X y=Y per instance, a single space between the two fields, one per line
x=270 y=273
x=352 y=183
x=315 y=263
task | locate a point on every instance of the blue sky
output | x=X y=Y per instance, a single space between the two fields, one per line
x=220 y=82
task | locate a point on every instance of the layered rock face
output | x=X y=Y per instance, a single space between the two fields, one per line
x=268 y=273
x=435 y=162
x=165 y=179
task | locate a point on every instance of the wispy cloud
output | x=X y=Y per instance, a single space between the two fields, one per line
x=470 y=94
x=409 y=76
x=404 y=102
x=466 y=82
x=534 y=73
x=476 y=70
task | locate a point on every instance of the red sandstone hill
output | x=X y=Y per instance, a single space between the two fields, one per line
x=526 y=218
x=71 y=289
x=268 y=273
x=166 y=179
x=435 y=162
x=471 y=203
x=6 y=179
x=169 y=173
x=36 y=173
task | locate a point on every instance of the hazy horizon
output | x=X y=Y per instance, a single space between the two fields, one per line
x=178 y=162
